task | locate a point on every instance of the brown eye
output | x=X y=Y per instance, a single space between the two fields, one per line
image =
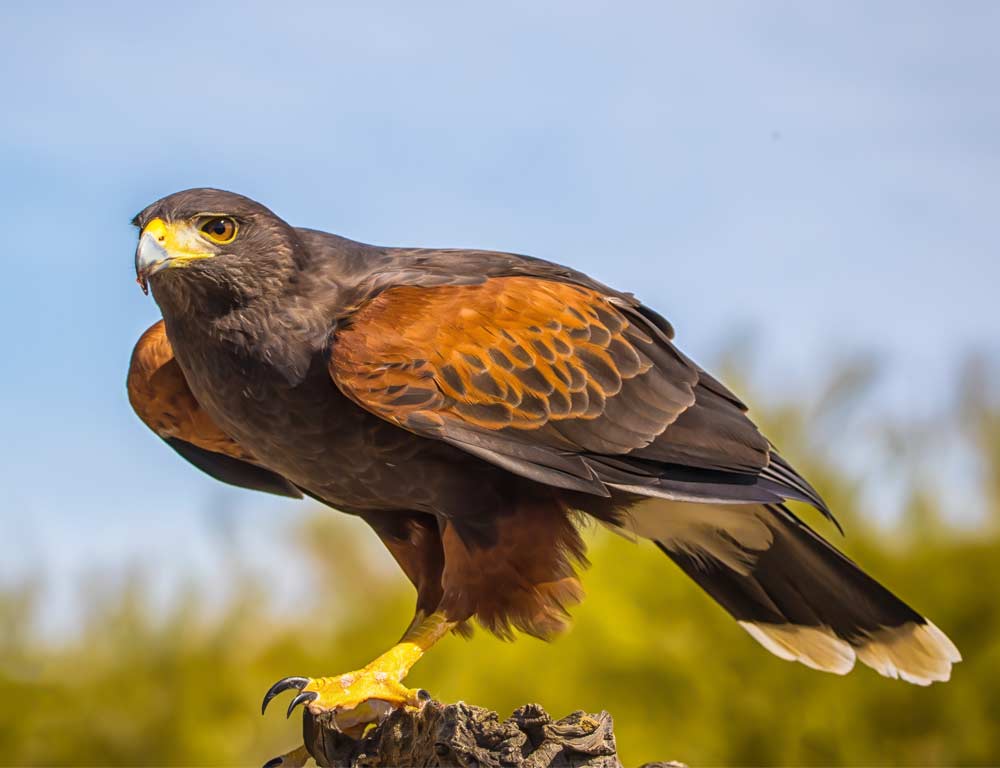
x=219 y=229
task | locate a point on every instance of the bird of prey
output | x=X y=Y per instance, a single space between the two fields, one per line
x=473 y=407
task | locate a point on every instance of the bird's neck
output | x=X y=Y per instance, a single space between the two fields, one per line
x=261 y=330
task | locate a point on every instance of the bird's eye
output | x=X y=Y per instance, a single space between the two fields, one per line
x=218 y=229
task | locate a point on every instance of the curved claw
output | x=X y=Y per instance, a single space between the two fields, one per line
x=283 y=684
x=297 y=758
x=423 y=696
x=300 y=699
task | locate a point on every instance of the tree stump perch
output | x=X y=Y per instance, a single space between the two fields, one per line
x=463 y=736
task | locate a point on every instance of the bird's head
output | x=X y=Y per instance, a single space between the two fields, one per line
x=211 y=243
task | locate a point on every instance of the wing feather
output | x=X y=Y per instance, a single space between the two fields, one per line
x=556 y=381
x=161 y=397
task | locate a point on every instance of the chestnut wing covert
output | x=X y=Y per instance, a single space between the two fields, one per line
x=557 y=382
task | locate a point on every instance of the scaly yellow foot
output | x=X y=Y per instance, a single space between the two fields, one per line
x=366 y=695
x=369 y=694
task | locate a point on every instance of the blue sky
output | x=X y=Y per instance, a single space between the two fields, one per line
x=823 y=177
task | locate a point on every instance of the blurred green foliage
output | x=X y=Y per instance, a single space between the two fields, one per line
x=683 y=681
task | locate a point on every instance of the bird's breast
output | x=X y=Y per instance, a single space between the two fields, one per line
x=307 y=430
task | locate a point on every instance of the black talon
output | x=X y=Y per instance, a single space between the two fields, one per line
x=283 y=685
x=274 y=762
x=302 y=697
x=423 y=695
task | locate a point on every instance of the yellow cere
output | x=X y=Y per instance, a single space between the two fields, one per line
x=180 y=240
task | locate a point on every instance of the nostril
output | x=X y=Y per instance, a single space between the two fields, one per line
x=161 y=238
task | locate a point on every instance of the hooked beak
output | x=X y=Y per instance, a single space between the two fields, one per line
x=151 y=256
x=162 y=246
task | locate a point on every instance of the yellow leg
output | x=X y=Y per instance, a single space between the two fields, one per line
x=369 y=694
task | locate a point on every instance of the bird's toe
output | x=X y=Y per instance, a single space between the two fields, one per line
x=284 y=684
x=296 y=758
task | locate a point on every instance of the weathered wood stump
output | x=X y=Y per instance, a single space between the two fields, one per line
x=469 y=737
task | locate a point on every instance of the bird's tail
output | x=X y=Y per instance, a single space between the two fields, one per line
x=794 y=592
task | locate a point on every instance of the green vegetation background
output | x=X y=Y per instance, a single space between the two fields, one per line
x=682 y=680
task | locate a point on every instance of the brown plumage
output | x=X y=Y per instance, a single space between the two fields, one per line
x=470 y=406
x=161 y=397
x=516 y=352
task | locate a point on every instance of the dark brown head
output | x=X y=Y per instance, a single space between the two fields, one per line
x=211 y=246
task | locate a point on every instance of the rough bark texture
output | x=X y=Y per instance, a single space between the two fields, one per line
x=470 y=737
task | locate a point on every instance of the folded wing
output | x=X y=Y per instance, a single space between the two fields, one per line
x=161 y=397
x=560 y=383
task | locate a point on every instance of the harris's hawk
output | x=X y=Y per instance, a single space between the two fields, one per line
x=470 y=406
